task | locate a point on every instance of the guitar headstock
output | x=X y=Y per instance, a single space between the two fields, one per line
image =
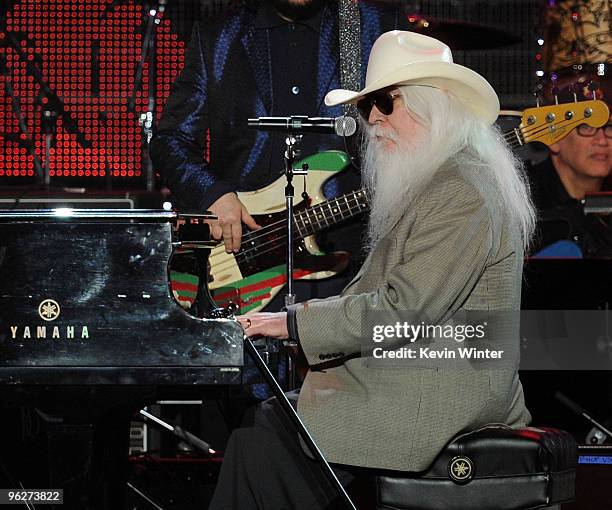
x=549 y=124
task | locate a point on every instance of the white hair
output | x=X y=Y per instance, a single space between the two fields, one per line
x=451 y=134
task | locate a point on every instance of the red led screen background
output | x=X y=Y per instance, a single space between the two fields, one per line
x=87 y=53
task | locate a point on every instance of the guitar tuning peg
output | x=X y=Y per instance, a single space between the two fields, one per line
x=536 y=93
x=593 y=87
x=572 y=88
x=555 y=93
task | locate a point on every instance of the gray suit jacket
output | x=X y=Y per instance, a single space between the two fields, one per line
x=448 y=253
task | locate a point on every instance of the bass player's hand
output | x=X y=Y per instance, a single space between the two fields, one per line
x=231 y=213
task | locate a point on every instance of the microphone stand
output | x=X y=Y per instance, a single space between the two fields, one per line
x=49 y=126
x=292 y=141
x=292 y=152
x=146 y=119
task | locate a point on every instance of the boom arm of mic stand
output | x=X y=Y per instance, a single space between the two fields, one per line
x=295 y=419
x=54 y=101
x=29 y=143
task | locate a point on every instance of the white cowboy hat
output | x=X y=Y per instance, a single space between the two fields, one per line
x=408 y=58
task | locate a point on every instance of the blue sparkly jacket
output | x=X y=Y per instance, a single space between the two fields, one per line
x=227 y=79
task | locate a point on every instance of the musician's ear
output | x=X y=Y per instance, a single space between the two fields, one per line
x=555 y=148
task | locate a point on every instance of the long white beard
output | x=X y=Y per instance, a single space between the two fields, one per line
x=395 y=178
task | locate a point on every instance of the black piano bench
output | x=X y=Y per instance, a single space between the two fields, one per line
x=494 y=468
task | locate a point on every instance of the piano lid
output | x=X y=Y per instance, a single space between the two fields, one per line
x=97 y=215
x=86 y=299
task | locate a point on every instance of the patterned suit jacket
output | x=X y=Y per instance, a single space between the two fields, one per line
x=449 y=253
x=226 y=79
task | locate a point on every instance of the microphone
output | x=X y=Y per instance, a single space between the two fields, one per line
x=341 y=126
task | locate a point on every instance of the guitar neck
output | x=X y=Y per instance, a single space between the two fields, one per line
x=331 y=212
x=515 y=138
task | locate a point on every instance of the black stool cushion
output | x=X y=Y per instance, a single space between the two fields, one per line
x=494 y=468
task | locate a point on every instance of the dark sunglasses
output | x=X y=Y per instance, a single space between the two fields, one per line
x=383 y=99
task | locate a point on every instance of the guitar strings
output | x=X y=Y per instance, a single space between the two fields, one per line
x=258 y=233
x=358 y=208
x=243 y=254
x=535 y=131
x=265 y=230
x=301 y=214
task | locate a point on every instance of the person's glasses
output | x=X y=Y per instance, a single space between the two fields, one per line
x=383 y=99
x=586 y=130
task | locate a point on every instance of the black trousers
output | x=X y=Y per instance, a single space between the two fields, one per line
x=265 y=468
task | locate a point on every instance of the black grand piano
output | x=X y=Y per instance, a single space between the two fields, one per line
x=88 y=324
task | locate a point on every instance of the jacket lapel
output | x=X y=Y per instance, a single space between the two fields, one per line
x=257 y=48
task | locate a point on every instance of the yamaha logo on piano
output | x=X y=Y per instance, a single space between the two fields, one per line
x=49 y=310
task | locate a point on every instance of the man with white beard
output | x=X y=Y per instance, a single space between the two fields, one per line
x=450 y=220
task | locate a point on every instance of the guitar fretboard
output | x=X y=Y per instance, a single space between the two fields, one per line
x=329 y=213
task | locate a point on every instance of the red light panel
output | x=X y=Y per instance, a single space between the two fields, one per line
x=87 y=52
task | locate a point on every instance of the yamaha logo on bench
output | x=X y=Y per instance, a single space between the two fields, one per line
x=461 y=469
